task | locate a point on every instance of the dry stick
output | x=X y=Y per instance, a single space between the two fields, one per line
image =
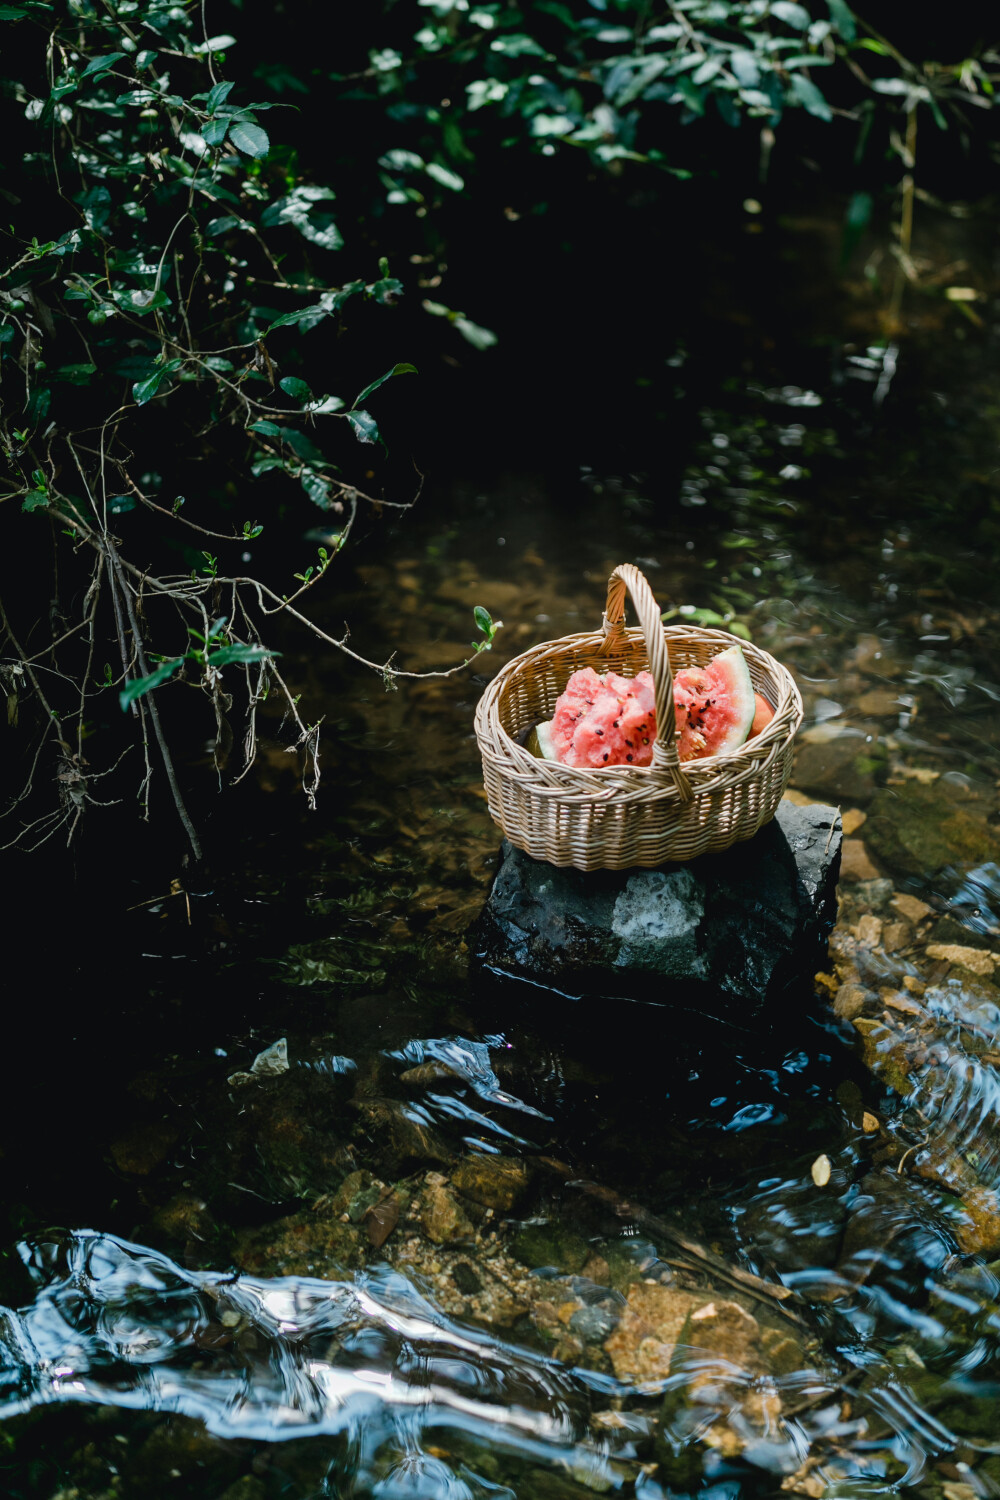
x=26 y=664
x=120 y=626
x=168 y=764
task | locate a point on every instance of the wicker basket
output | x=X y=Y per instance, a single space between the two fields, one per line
x=621 y=816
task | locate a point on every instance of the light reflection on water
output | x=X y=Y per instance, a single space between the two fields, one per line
x=117 y=1324
x=373 y=1362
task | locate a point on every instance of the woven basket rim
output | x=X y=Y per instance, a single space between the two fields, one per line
x=773 y=731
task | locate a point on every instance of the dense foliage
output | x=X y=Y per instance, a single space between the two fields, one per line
x=178 y=295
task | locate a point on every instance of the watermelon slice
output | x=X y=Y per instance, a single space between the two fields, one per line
x=611 y=720
x=601 y=721
x=715 y=706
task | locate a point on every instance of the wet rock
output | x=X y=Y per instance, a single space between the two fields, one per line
x=593 y=1324
x=855 y=865
x=302 y=1245
x=978 y=1229
x=727 y=1329
x=496 y=1182
x=597 y=1270
x=443 y=1219
x=400 y=1134
x=465 y=1278
x=550 y=1244
x=358 y=1193
x=185 y=1217
x=921 y=829
x=849 y=1001
x=910 y=908
x=839 y=762
x=884 y=1053
x=643 y=1345
x=974 y=960
x=873 y=894
x=427 y=1074
x=896 y=936
x=247 y=1488
x=143 y=1148
x=782 y=1354
x=747 y=923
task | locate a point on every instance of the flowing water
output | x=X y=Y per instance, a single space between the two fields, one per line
x=337 y=1219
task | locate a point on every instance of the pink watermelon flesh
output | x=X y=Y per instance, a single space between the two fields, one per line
x=715 y=706
x=603 y=721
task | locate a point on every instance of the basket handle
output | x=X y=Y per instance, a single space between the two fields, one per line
x=627 y=576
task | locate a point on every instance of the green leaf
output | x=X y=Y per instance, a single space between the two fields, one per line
x=216 y=96
x=843 y=18
x=445 y=176
x=474 y=334
x=809 y=96
x=142 y=300
x=793 y=15
x=365 y=426
x=400 y=369
x=214 y=132
x=101 y=64
x=891 y=86
x=119 y=504
x=252 y=140
x=37 y=407
x=386 y=290
x=484 y=620
x=227 y=654
x=140 y=686
x=316 y=487
x=297 y=389
x=145 y=390
x=265 y=428
x=34 y=499
x=305 y=318
x=75 y=374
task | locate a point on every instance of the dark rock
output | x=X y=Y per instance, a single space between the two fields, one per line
x=593 y=1324
x=921 y=829
x=744 y=924
x=493 y=1181
x=465 y=1278
x=842 y=764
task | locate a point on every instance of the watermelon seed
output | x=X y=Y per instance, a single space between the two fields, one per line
x=599 y=732
x=606 y=755
x=628 y=757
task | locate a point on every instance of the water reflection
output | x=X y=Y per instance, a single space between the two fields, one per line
x=116 y=1324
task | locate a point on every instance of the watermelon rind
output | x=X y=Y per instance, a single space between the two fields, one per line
x=735 y=674
x=543 y=733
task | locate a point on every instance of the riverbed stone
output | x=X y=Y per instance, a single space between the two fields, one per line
x=918 y=829
x=642 y=1347
x=492 y=1181
x=839 y=761
x=745 y=924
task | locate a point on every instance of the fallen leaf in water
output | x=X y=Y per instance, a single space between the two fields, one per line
x=821 y=1169
x=381 y=1220
x=852 y=820
x=869 y=1123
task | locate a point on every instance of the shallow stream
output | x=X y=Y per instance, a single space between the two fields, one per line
x=339 y=1221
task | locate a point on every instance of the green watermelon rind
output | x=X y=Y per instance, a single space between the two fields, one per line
x=741 y=690
x=545 y=745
